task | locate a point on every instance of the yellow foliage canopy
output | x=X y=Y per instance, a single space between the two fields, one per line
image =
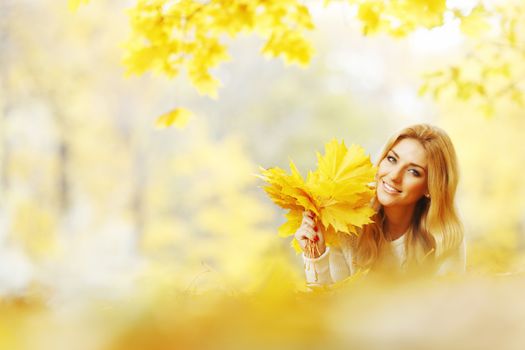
x=399 y=17
x=168 y=35
x=338 y=192
x=492 y=73
x=173 y=36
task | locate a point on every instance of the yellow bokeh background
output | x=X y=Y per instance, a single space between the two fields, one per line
x=120 y=231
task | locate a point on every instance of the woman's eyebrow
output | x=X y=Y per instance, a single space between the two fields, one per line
x=414 y=164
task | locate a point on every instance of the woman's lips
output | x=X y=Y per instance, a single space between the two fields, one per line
x=390 y=189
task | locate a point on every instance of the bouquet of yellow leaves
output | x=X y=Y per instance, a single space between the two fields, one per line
x=338 y=192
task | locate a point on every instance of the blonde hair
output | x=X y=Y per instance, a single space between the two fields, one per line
x=435 y=230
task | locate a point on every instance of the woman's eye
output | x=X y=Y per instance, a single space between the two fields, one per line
x=391 y=159
x=415 y=172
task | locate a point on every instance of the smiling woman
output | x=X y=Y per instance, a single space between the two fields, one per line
x=415 y=228
x=402 y=175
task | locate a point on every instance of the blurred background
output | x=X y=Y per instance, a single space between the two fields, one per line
x=97 y=204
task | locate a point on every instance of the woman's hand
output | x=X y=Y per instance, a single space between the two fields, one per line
x=310 y=237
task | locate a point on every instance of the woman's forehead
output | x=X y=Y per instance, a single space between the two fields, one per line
x=410 y=151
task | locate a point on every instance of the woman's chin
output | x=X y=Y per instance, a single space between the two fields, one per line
x=385 y=200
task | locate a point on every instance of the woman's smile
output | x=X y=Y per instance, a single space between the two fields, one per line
x=390 y=189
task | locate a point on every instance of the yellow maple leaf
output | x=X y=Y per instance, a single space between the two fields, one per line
x=294 y=219
x=338 y=192
x=291 y=45
x=369 y=14
x=342 y=184
x=204 y=82
x=288 y=191
x=178 y=118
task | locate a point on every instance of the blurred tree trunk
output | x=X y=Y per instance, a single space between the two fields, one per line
x=64 y=160
x=138 y=195
x=130 y=131
x=134 y=139
x=63 y=146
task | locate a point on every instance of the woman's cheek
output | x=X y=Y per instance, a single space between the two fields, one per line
x=382 y=169
x=416 y=188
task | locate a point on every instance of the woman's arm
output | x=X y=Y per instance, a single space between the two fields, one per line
x=317 y=270
x=332 y=266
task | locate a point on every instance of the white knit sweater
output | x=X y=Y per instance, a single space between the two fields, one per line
x=335 y=264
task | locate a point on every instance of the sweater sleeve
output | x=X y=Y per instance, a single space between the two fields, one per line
x=332 y=266
x=455 y=263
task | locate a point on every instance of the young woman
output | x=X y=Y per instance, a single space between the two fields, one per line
x=415 y=226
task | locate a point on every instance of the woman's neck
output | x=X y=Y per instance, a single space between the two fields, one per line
x=397 y=221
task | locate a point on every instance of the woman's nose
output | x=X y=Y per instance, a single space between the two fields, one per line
x=396 y=174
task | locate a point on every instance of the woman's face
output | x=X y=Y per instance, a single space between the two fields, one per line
x=402 y=174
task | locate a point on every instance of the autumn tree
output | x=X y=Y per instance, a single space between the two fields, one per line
x=191 y=36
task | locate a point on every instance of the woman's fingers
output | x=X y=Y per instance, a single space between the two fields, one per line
x=309 y=230
x=308 y=214
x=308 y=233
x=308 y=222
x=308 y=218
